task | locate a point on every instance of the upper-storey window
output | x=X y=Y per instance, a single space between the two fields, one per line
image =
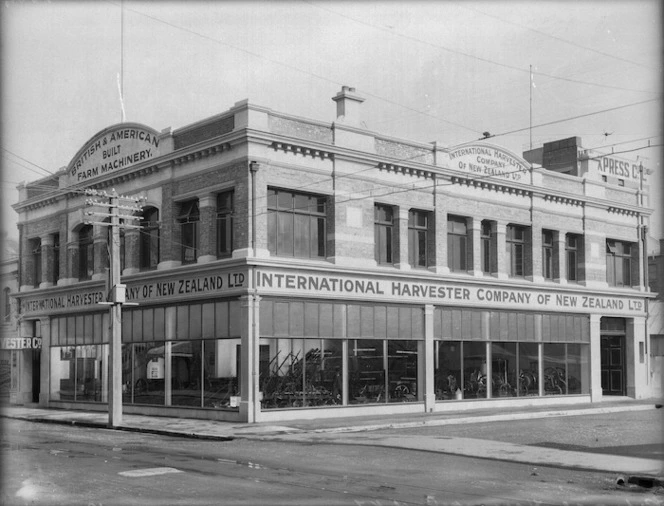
x=225 y=224
x=189 y=236
x=457 y=243
x=86 y=253
x=36 y=252
x=547 y=254
x=296 y=224
x=7 y=307
x=383 y=234
x=487 y=247
x=149 y=239
x=56 y=257
x=620 y=263
x=418 y=238
x=516 y=250
x=574 y=254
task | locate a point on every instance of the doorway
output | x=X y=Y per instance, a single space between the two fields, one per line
x=613 y=365
x=36 y=376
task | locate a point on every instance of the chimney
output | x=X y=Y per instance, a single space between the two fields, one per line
x=348 y=106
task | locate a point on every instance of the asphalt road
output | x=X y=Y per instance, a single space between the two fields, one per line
x=56 y=465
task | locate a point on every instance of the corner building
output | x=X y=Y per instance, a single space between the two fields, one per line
x=290 y=268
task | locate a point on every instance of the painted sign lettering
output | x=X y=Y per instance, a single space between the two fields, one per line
x=113 y=149
x=489 y=161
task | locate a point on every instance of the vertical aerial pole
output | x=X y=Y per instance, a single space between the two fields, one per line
x=530 y=125
x=115 y=291
x=115 y=351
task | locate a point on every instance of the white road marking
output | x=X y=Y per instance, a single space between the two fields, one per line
x=153 y=471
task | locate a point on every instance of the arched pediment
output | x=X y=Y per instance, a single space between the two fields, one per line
x=112 y=149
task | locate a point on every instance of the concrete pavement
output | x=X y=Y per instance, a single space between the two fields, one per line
x=357 y=431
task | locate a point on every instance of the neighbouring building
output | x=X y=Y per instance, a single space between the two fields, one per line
x=656 y=317
x=291 y=268
x=19 y=357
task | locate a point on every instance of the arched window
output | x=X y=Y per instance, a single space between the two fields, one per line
x=149 y=239
x=86 y=254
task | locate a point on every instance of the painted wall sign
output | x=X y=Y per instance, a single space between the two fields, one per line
x=112 y=149
x=20 y=343
x=137 y=292
x=483 y=160
x=279 y=283
x=616 y=167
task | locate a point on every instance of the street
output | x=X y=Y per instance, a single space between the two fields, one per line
x=57 y=464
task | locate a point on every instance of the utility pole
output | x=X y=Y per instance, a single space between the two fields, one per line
x=115 y=291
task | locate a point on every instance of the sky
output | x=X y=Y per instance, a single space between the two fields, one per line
x=444 y=71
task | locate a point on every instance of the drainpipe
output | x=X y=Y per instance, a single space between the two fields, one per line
x=253 y=168
x=646 y=281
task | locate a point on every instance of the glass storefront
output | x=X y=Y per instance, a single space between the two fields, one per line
x=78 y=373
x=310 y=372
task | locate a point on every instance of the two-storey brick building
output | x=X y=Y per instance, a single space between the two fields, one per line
x=290 y=268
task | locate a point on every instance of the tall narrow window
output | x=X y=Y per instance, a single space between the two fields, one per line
x=383 y=233
x=35 y=247
x=418 y=231
x=149 y=239
x=572 y=243
x=486 y=240
x=457 y=243
x=296 y=224
x=86 y=254
x=547 y=254
x=225 y=224
x=7 y=304
x=189 y=218
x=516 y=250
x=619 y=263
x=56 y=257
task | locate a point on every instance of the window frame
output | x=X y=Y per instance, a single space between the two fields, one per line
x=572 y=257
x=457 y=244
x=384 y=247
x=548 y=254
x=189 y=221
x=149 y=239
x=36 y=252
x=86 y=253
x=516 y=246
x=296 y=230
x=418 y=238
x=224 y=223
x=619 y=254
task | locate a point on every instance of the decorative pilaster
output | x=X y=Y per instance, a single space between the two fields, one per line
x=475 y=247
x=132 y=238
x=499 y=231
x=47 y=259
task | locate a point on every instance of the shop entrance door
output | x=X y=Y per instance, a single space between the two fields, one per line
x=613 y=365
x=36 y=377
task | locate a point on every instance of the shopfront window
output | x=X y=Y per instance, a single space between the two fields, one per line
x=77 y=373
x=300 y=373
x=144 y=372
x=528 y=382
x=474 y=370
x=503 y=370
x=448 y=370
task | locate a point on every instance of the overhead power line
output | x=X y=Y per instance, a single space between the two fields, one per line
x=475 y=57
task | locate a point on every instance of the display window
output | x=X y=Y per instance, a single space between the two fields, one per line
x=78 y=373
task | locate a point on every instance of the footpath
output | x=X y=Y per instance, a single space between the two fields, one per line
x=362 y=431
